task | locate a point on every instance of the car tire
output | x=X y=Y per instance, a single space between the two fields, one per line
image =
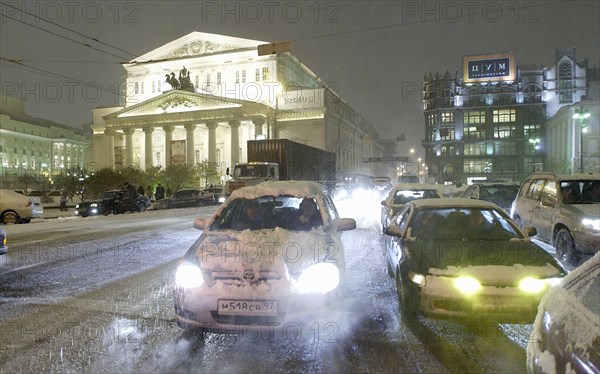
x=10 y=217
x=141 y=207
x=406 y=297
x=564 y=246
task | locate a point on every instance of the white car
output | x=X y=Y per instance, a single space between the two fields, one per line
x=17 y=208
x=242 y=275
x=402 y=193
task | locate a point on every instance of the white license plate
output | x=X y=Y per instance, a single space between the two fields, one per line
x=247 y=307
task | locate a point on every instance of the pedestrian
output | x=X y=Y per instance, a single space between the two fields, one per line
x=149 y=192
x=159 y=194
x=63 y=202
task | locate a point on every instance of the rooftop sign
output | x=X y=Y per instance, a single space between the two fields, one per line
x=486 y=68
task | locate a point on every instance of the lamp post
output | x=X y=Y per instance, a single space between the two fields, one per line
x=581 y=115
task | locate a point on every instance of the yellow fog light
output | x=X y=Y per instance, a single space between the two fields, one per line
x=467 y=285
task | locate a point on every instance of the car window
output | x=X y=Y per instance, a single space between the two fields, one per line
x=330 y=206
x=535 y=190
x=524 y=188
x=549 y=192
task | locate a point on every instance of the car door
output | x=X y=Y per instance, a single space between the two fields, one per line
x=529 y=202
x=394 y=252
x=543 y=213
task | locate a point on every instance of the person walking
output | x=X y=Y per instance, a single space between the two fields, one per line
x=159 y=194
x=63 y=202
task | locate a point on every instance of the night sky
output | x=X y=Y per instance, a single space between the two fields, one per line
x=375 y=53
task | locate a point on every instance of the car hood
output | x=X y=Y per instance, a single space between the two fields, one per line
x=489 y=259
x=282 y=251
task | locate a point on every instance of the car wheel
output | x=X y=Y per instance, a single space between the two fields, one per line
x=406 y=297
x=10 y=217
x=564 y=246
x=141 y=207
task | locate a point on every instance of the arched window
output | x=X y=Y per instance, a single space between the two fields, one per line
x=565 y=82
x=157 y=160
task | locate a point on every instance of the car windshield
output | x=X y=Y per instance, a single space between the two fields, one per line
x=461 y=224
x=580 y=191
x=404 y=196
x=269 y=212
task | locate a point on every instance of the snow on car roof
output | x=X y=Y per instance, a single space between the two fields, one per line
x=275 y=188
x=453 y=202
x=414 y=186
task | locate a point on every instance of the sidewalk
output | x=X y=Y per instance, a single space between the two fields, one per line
x=55 y=212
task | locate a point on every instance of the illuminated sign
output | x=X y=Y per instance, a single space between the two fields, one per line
x=486 y=68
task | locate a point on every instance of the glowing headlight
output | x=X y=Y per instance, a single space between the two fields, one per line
x=418 y=279
x=593 y=224
x=94 y=205
x=467 y=285
x=532 y=285
x=77 y=206
x=188 y=275
x=318 y=278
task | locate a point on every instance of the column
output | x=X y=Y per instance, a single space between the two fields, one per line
x=212 y=141
x=129 y=146
x=235 y=141
x=190 y=152
x=110 y=148
x=258 y=124
x=148 y=147
x=168 y=138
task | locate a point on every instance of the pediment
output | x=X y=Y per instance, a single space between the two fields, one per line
x=176 y=102
x=198 y=44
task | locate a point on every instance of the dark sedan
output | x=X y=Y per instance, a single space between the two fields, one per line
x=187 y=198
x=466 y=260
x=566 y=332
x=113 y=202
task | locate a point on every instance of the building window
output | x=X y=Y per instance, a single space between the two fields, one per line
x=477 y=166
x=237 y=77
x=565 y=82
x=474 y=132
x=196 y=155
x=531 y=131
x=219 y=79
x=431 y=134
x=207 y=80
x=505 y=148
x=257 y=75
x=504 y=115
x=158 y=159
x=475 y=116
x=505 y=131
x=447 y=117
x=197 y=81
x=243 y=76
x=474 y=149
x=265 y=74
x=136 y=88
x=447 y=133
x=431 y=119
x=142 y=88
x=153 y=86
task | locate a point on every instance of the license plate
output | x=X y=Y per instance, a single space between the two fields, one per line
x=247 y=307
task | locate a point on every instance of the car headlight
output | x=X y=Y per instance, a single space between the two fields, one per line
x=221 y=199
x=94 y=205
x=188 y=275
x=591 y=223
x=533 y=285
x=418 y=279
x=77 y=206
x=467 y=285
x=318 y=278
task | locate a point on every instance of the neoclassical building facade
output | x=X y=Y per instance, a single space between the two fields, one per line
x=202 y=96
x=37 y=148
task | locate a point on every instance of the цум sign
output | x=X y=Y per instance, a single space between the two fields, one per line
x=489 y=68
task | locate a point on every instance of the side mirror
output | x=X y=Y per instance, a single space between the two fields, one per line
x=530 y=231
x=394 y=230
x=344 y=224
x=383 y=202
x=200 y=223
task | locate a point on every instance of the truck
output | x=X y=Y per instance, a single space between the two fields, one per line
x=282 y=159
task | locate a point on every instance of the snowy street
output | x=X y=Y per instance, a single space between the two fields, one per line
x=95 y=295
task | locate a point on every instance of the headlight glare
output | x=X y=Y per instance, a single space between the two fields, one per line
x=467 y=285
x=94 y=205
x=532 y=285
x=188 y=275
x=318 y=278
x=590 y=223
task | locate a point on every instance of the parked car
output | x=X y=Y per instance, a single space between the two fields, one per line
x=466 y=260
x=499 y=193
x=113 y=202
x=566 y=331
x=17 y=208
x=402 y=193
x=187 y=198
x=565 y=210
x=3 y=247
x=216 y=194
x=253 y=267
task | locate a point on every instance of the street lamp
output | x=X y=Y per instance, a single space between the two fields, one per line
x=581 y=115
